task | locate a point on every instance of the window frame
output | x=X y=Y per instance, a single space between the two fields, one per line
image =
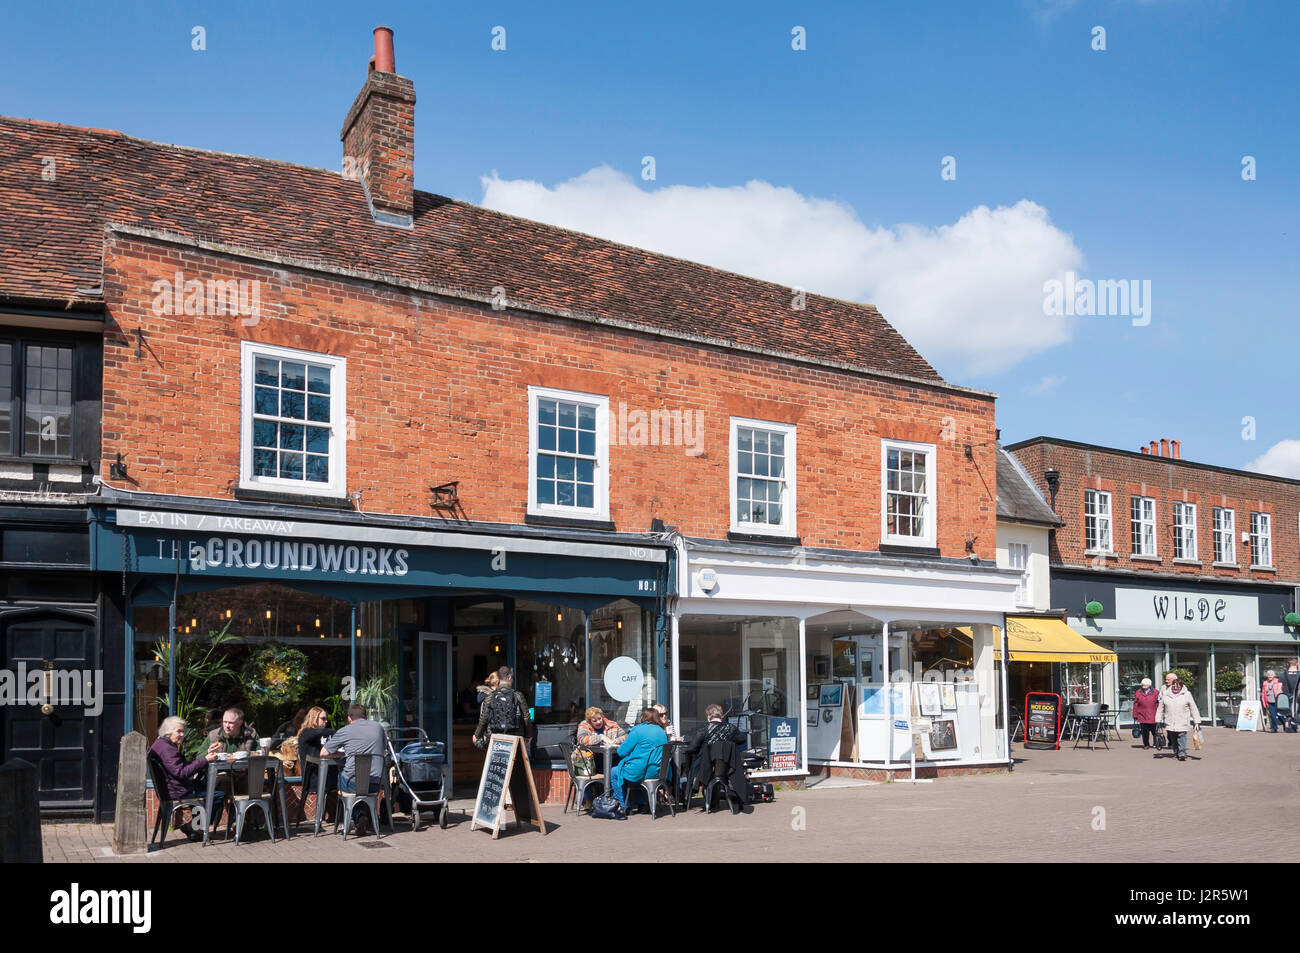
x=1230 y=533
x=1184 y=530
x=337 y=486
x=1265 y=520
x=17 y=448
x=1109 y=549
x=1140 y=527
x=1024 y=592
x=788 y=527
x=931 y=495
x=600 y=469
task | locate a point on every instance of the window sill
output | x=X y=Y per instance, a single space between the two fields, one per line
x=1144 y=559
x=896 y=549
x=300 y=499
x=1225 y=565
x=52 y=461
x=776 y=539
x=1189 y=562
x=1263 y=569
x=575 y=522
x=1110 y=554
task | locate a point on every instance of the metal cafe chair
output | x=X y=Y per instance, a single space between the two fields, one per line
x=168 y=806
x=255 y=795
x=578 y=783
x=367 y=792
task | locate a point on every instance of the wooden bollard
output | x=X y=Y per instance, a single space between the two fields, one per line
x=130 y=829
x=20 y=813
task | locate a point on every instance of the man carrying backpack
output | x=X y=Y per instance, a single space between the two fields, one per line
x=1291 y=682
x=504 y=712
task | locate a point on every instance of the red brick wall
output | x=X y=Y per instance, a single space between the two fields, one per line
x=1165 y=480
x=437 y=391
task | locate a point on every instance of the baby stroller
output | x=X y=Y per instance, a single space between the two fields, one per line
x=421 y=781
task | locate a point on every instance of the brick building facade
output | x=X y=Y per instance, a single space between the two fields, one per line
x=411 y=439
x=1194 y=566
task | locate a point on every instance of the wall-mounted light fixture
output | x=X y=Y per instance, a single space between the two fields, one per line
x=1053 y=478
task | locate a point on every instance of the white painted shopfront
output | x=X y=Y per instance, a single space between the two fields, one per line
x=783 y=636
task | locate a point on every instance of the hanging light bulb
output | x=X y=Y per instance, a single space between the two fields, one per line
x=620 y=623
x=559 y=616
x=227 y=613
x=358 y=632
x=268 y=613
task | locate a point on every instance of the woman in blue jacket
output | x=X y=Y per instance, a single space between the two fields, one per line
x=639 y=754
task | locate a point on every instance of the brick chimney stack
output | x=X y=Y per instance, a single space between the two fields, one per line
x=379 y=138
x=1170 y=449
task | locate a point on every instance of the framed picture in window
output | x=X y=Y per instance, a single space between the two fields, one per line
x=948 y=696
x=822 y=669
x=812 y=717
x=814 y=693
x=927 y=694
x=943 y=735
x=832 y=696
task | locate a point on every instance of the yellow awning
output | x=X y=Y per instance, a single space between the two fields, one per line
x=1046 y=640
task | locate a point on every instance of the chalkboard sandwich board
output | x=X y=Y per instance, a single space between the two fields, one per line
x=499 y=777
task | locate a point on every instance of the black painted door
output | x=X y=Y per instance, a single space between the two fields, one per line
x=60 y=739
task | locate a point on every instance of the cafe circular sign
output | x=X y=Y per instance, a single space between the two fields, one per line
x=624 y=679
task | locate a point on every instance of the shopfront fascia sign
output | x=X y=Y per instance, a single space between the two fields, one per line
x=1186 y=610
x=287 y=551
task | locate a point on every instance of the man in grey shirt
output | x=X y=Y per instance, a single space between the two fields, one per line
x=358 y=736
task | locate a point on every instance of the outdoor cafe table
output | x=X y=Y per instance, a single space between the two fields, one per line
x=323 y=764
x=233 y=765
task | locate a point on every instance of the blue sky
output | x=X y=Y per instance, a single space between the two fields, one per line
x=818 y=167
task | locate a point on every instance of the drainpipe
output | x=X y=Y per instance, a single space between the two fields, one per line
x=1006 y=700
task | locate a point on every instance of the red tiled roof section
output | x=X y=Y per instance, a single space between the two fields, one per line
x=51 y=240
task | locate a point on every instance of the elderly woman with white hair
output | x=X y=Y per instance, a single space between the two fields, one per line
x=180 y=774
x=1269 y=692
x=1145 y=702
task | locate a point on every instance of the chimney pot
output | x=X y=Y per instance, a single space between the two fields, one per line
x=383 y=61
x=1146 y=450
x=1164 y=446
x=1155 y=449
x=1174 y=450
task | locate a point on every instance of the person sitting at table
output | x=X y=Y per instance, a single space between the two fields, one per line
x=639 y=754
x=668 y=726
x=359 y=736
x=311 y=737
x=289 y=729
x=719 y=741
x=596 y=728
x=232 y=735
x=182 y=777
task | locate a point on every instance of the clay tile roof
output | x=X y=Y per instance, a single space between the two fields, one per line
x=52 y=234
x=1018 y=498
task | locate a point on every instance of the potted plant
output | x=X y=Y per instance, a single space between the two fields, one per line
x=378 y=693
x=1228 y=683
x=199 y=662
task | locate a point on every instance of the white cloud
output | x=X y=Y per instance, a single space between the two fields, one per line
x=1281 y=459
x=1048 y=384
x=968 y=296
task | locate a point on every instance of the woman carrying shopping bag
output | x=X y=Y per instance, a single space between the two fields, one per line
x=1269 y=693
x=1180 y=715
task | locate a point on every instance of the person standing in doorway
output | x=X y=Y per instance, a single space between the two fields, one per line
x=1268 y=693
x=1145 y=702
x=505 y=712
x=1179 y=713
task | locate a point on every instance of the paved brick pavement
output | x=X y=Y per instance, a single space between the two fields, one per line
x=1236 y=801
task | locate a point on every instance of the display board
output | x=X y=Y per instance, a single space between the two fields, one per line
x=506 y=769
x=783 y=744
x=1248 y=716
x=1042 y=720
x=824 y=736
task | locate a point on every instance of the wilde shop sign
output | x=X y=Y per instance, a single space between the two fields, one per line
x=1191 y=611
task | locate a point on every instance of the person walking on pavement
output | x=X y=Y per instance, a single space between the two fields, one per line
x=1268 y=693
x=1145 y=702
x=1291 y=683
x=1179 y=713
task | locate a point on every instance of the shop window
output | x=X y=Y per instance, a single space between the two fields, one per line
x=550 y=662
x=907 y=481
x=1225 y=532
x=1096 y=521
x=1185 y=531
x=748 y=665
x=568 y=458
x=1142 y=510
x=269 y=650
x=293 y=430
x=1261 y=540
x=762 y=477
